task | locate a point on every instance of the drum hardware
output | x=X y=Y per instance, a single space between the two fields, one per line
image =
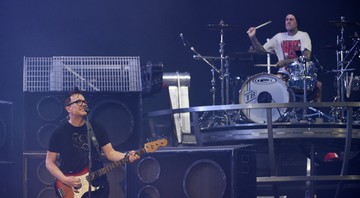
x=268 y=58
x=223 y=66
x=341 y=70
x=343 y=62
x=264 y=65
x=342 y=23
x=319 y=114
x=318 y=63
x=303 y=78
x=224 y=62
x=224 y=75
x=304 y=75
x=205 y=59
x=235 y=84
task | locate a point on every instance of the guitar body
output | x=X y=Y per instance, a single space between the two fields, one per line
x=66 y=191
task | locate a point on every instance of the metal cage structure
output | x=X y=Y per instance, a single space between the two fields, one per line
x=88 y=73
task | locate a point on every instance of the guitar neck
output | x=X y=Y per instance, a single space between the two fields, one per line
x=112 y=166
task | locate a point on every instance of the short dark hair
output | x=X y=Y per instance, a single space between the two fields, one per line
x=75 y=91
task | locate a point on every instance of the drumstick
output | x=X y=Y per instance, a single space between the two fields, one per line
x=259 y=26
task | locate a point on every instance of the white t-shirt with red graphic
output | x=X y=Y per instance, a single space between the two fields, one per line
x=285 y=46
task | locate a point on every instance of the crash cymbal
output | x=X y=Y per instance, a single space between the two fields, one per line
x=264 y=65
x=344 y=23
x=221 y=26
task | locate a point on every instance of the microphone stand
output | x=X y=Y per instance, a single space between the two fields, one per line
x=89 y=156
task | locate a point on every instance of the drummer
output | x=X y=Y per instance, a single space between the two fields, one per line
x=285 y=45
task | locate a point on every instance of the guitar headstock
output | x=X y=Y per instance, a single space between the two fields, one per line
x=154 y=145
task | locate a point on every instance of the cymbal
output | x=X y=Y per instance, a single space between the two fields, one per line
x=221 y=26
x=345 y=23
x=263 y=53
x=264 y=65
x=251 y=52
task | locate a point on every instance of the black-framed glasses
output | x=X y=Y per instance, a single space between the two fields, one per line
x=78 y=102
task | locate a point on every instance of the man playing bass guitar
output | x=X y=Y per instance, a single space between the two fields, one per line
x=69 y=142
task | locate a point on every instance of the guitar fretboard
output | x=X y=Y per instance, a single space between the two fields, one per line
x=112 y=166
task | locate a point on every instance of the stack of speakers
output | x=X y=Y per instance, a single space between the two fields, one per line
x=6 y=148
x=193 y=172
x=119 y=113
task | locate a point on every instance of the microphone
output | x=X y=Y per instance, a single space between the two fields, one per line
x=182 y=39
x=87 y=109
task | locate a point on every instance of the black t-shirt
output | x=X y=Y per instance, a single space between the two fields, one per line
x=72 y=144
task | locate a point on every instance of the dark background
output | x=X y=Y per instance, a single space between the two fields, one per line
x=150 y=29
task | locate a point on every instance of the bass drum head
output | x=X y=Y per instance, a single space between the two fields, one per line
x=263 y=88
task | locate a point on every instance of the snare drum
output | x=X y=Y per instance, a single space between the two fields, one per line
x=297 y=76
x=264 y=88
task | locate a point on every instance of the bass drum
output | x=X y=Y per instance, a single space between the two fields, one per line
x=264 y=88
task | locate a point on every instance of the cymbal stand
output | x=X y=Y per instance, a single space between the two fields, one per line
x=223 y=76
x=227 y=80
x=205 y=120
x=302 y=61
x=340 y=73
x=341 y=82
x=306 y=75
x=213 y=70
x=225 y=117
x=268 y=59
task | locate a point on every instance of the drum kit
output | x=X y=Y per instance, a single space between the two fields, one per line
x=270 y=88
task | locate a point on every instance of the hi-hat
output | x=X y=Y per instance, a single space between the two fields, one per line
x=345 y=23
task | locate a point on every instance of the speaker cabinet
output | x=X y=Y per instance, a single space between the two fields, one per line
x=119 y=113
x=38 y=182
x=6 y=133
x=7 y=183
x=193 y=172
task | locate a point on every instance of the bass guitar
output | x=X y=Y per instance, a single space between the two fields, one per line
x=66 y=191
